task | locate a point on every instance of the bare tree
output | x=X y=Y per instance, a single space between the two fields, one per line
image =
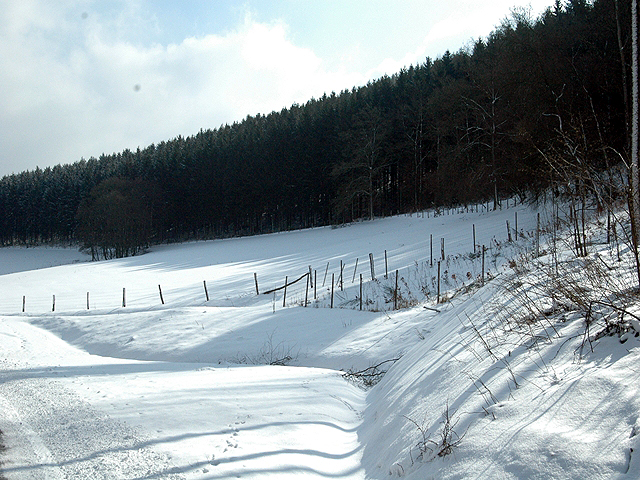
x=365 y=159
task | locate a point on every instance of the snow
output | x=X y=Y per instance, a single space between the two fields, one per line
x=184 y=389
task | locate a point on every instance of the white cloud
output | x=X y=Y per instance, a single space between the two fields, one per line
x=71 y=89
x=438 y=39
x=458 y=23
x=81 y=77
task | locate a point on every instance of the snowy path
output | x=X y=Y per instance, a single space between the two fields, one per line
x=81 y=443
x=52 y=433
x=68 y=414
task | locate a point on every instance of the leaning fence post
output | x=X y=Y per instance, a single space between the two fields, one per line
x=354 y=271
x=206 y=292
x=310 y=278
x=161 y=298
x=255 y=277
x=324 y=280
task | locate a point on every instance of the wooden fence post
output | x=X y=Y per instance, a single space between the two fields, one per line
x=538 y=235
x=361 y=292
x=474 y=238
x=206 y=292
x=395 y=294
x=342 y=265
x=124 y=297
x=161 y=297
x=332 y=283
x=508 y=232
x=324 y=280
x=310 y=277
x=438 y=296
x=306 y=292
x=87 y=300
x=442 y=248
x=24 y=302
x=284 y=297
x=315 y=284
x=373 y=272
x=53 y=308
x=255 y=277
x=431 y=247
x=483 y=251
x=354 y=272
x=615 y=239
x=386 y=266
x=516 y=226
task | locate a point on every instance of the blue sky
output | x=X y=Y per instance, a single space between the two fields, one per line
x=79 y=78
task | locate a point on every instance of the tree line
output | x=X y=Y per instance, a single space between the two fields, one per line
x=510 y=114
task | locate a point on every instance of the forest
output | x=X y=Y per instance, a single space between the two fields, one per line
x=525 y=109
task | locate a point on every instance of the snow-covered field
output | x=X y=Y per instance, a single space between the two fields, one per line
x=184 y=389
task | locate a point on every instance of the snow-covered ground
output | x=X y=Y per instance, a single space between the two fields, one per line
x=184 y=389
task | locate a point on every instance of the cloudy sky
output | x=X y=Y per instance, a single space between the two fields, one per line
x=79 y=78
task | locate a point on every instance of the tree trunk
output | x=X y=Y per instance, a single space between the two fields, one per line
x=635 y=174
x=623 y=65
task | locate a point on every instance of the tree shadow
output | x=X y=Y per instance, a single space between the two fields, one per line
x=178 y=470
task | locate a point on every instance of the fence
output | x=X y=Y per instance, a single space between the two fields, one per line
x=355 y=284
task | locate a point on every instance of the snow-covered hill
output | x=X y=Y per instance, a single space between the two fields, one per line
x=477 y=386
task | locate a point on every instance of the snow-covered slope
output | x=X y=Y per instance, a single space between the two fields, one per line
x=519 y=408
x=181 y=389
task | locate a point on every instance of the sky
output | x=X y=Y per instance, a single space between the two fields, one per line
x=79 y=78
